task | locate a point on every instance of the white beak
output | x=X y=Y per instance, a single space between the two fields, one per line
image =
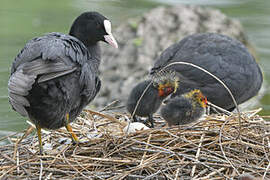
x=109 y=38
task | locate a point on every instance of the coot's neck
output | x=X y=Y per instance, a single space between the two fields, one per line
x=94 y=50
x=95 y=54
x=91 y=44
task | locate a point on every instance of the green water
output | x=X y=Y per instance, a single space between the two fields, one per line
x=24 y=19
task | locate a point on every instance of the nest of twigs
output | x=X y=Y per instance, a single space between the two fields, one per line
x=212 y=148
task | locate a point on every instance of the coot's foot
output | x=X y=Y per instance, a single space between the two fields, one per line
x=75 y=139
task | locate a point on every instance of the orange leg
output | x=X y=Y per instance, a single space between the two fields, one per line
x=69 y=129
x=39 y=139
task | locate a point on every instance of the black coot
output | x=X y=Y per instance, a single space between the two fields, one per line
x=56 y=75
x=153 y=97
x=184 y=109
x=221 y=55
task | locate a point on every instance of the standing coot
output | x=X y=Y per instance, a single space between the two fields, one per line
x=221 y=55
x=158 y=90
x=184 y=109
x=56 y=75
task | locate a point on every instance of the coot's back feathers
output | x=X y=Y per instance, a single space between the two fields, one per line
x=49 y=57
x=224 y=57
x=54 y=46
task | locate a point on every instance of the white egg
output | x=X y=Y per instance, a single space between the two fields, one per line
x=134 y=127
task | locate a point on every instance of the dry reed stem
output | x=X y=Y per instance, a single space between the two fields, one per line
x=27 y=132
x=198 y=153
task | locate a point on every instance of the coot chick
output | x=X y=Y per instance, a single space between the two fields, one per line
x=226 y=58
x=56 y=75
x=184 y=109
x=152 y=98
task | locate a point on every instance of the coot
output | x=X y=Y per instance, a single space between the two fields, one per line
x=221 y=55
x=158 y=90
x=184 y=109
x=56 y=75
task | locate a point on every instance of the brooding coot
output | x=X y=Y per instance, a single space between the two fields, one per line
x=184 y=109
x=158 y=90
x=56 y=75
x=221 y=55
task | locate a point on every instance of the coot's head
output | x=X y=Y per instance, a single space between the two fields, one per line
x=91 y=27
x=166 y=82
x=197 y=96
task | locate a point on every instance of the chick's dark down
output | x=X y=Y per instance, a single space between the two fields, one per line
x=181 y=110
x=149 y=103
x=221 y=55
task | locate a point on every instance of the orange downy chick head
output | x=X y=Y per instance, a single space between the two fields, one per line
x=198 y=96
x=166 y=83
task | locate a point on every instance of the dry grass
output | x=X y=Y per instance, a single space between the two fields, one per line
x=209 y=149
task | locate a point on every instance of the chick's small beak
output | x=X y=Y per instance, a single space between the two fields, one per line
x=110 y=40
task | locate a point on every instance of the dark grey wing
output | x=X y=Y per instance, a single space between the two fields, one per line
x=165 y=58
x=53 y=47
x=98 y=85
x=46 y=58
x=226 y=58
x=19 y=85
x=90 y=82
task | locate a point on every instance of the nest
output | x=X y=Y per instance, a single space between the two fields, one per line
x=212 y=148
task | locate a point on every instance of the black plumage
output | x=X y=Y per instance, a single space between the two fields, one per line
x=56 y=75
x=151 y=99
x=184 y=109
x=221 y=55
